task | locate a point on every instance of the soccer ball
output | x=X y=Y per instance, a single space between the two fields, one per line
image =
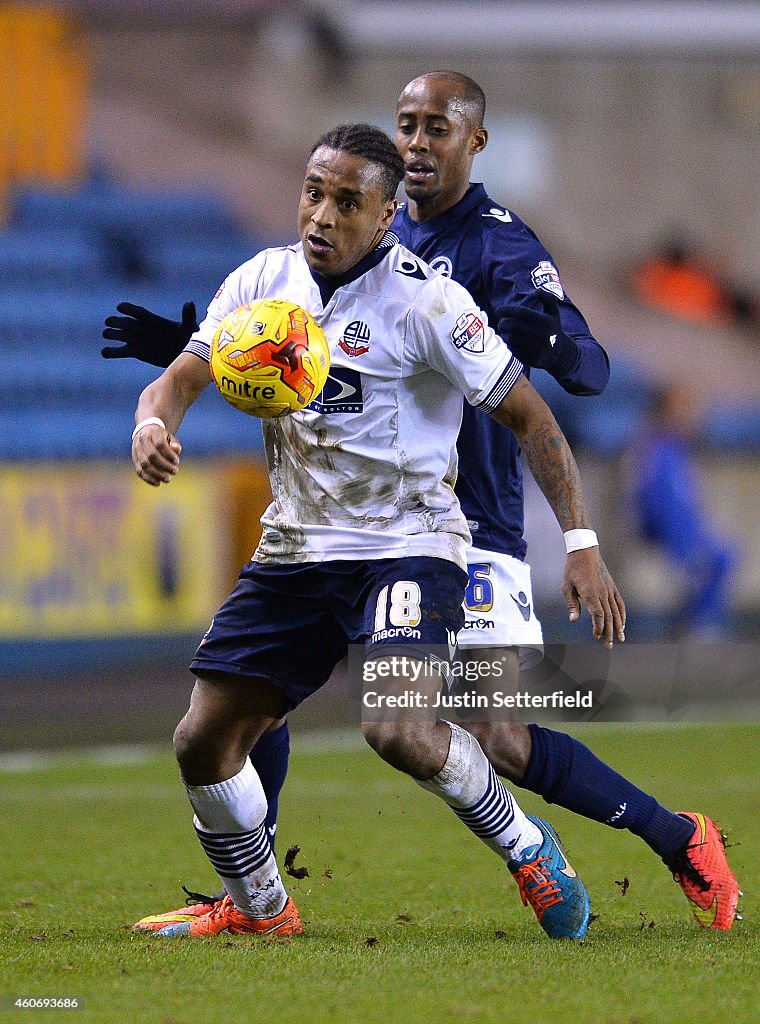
x=269 y=358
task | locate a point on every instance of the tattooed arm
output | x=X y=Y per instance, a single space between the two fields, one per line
x=587 y=580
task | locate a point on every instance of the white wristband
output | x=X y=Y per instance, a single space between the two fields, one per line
x=576 y=540
x=146 y=423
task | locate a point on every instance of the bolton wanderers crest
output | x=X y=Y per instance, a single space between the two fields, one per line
x=355 y=339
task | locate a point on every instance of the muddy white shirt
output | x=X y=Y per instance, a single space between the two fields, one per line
x=367 y=470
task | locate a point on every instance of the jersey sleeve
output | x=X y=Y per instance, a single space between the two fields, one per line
x=449 y=333
x=519 y=271
x=239 y=287
x=583 y=367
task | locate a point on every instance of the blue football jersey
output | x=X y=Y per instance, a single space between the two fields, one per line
x=501 y=262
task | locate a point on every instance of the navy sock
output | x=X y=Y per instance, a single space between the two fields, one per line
x=270 y=759
x=564 y=771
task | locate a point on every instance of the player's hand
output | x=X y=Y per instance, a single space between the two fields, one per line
x=588 y=583
x=533 y=333
x=155 y=454
x=146 y=336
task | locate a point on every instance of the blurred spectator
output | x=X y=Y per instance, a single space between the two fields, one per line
x=670 y=514
x=678 y=280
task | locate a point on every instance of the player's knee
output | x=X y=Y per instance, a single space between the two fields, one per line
x=377 y=735
x=206 y=757
x=189 y=748
x=496 y=738
x=404 y=745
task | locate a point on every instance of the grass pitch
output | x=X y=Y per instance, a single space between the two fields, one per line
x=409 y=918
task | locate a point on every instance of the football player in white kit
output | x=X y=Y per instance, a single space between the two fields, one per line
x=461 y=231
x=364 y=533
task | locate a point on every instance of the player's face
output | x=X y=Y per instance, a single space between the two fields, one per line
x=342 y=214
x=436 y=138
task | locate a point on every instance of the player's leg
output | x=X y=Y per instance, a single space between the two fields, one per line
x=423 y=598
x=270 y=766
x=412 y=612
x=247 y=679
x=564 y=771
x=553 y=764
x=498 y=609
x=500 y=634
x=227 y=714
x=559 y=767
x=269 y=757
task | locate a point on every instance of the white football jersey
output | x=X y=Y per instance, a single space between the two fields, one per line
x=367 y=471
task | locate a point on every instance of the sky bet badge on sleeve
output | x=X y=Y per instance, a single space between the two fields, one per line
x=546 y=277
x=468 y=333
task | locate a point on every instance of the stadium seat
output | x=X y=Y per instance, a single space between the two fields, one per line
x=66 y=258
x=46 y=258
x=154 y=213
x=55 y=430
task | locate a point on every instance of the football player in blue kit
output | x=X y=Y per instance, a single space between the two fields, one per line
x=463 y=233
x=458 y=228
x=362 y=547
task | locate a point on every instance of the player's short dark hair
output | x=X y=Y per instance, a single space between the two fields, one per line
x=373 y=144
x=472 y=93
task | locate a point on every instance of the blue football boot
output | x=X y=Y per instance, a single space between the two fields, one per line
x=551 y=886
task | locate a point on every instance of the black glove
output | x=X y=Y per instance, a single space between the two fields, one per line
x=146 y=336
x=535 y=335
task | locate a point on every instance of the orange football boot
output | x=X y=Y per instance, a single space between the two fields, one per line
x=702 y=871
x=225 y=917
x=196 y=904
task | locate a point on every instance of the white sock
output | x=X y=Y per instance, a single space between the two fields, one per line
x=229 y=821
x=472 y=789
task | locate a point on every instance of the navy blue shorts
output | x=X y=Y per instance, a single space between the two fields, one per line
x=292 y=624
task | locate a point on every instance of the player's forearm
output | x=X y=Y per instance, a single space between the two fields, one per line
x=555 y=471
x=170 y=396
x=159 y=402
x=548 y=454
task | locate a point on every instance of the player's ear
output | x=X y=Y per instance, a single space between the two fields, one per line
x=478 y=140
x=389 y=212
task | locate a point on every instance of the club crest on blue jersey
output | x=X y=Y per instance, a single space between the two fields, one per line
x=355 y=340
x=545 y=276
x=442 y=265
x=468 y=333
x=342 y=393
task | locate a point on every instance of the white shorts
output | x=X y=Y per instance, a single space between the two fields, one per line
x=498 y=606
